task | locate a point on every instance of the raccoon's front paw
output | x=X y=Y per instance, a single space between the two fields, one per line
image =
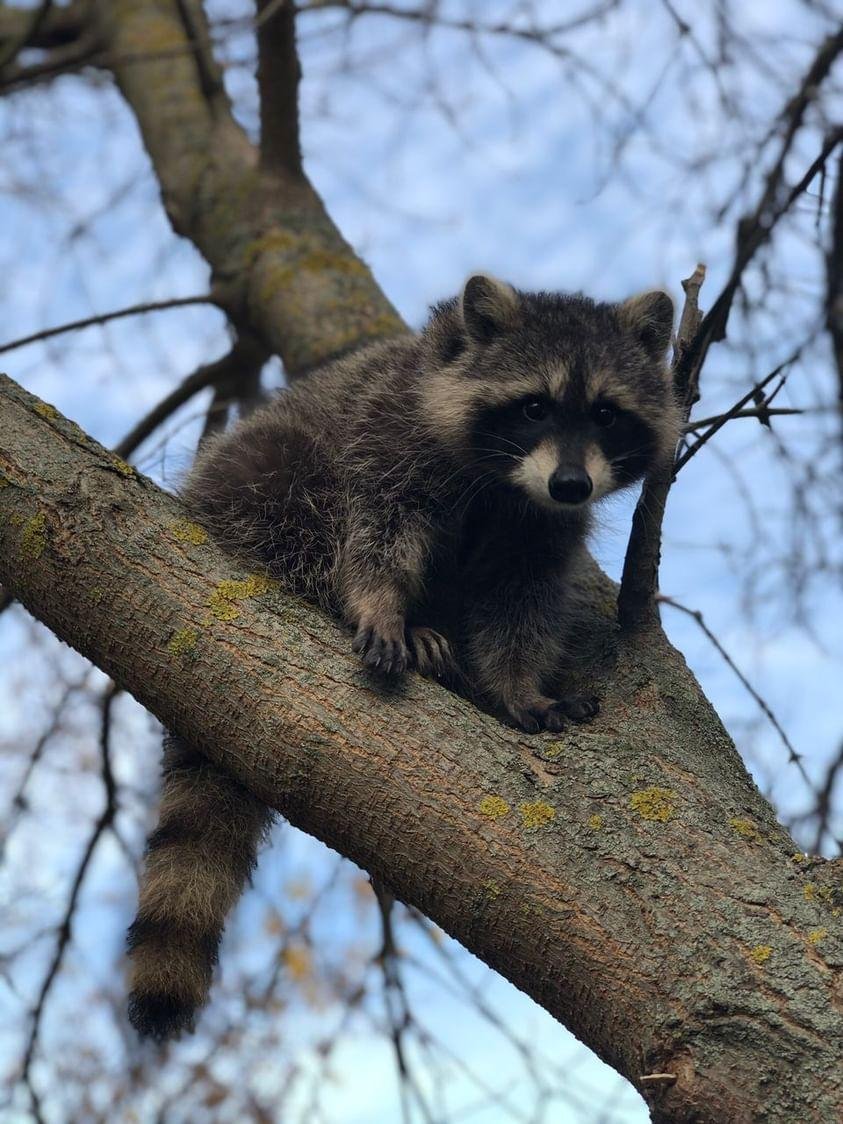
x=431 y=652
x=381 y=647
x=553 y=715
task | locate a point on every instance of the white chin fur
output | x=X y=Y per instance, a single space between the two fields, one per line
x=533 y=474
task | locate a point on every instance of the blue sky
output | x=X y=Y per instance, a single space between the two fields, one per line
x=436 y=161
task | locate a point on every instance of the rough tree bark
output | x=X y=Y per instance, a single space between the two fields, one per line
x=627 y=875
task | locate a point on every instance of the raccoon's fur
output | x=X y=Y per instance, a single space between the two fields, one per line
x=434 y=491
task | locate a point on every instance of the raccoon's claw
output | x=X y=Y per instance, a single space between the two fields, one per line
x=386 y=654
x=554 y=715
x=431 y=651
x=538 y=716
x=580 y=708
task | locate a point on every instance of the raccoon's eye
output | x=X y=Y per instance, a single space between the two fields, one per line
x=535 y=409
x=603 y=414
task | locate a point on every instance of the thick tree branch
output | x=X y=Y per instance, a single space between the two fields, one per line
x=639 y=582
x=280 y=263
x=279 y=74
x=627 y=875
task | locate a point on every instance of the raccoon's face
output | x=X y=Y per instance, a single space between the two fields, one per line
x=558 y=397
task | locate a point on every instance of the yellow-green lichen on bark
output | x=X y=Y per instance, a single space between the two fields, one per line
x=817 y=935
x=595 y=822
x=746 y=829
x=493 y=807
x=188 y=532
x=536 y=813
x=121 y=466
x=658 y=805
x=183 y=641
x=33 y=538
x=822 y=895
x=761 y=953
x=223 y=601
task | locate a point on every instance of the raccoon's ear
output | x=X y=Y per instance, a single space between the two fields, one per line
x=649 y=318
x=489 y=307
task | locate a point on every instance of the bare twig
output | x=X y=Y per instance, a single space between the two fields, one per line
x=63 y=59
x=104 y=318
x=762 y=413
x=825 y=805
x=65 y=928
x=834 y=279
x=35 y=22
x=753 y=233
x=717 y=423
x=793 y=757
x=242 y=362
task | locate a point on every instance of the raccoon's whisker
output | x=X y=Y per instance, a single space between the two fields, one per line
x=471 y=464
x=497 y=453
x=508 y=440
x=478 y=485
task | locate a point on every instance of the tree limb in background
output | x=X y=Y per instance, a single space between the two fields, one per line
x=726 y=980
x=232 y=375
x=278 y=260
x=636 y=603
x=279 y=75
x=834 y=278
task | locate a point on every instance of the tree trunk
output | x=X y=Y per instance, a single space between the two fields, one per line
x=627 y=875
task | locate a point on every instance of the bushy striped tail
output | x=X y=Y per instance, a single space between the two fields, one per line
x=197 y=861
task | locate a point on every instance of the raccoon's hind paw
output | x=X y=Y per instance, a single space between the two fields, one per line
x=382 y=649
x=580 y=708
x=431 y=652
x=553 y=715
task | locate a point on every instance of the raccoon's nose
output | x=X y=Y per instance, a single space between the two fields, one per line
x=570 y=485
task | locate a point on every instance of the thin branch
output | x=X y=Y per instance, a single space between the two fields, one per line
x=834 y=279
x=34 y=24
x=753 y=233
x=750 y=396
x=825 y=805
x=793 y=757
x=762 y=413
x=427 y=15
x=246 y=357
x=65 y=929
x=104 y=318
x=64 y=59
x=60 y=26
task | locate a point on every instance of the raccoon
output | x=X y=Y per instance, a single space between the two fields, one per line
x=435 y=492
